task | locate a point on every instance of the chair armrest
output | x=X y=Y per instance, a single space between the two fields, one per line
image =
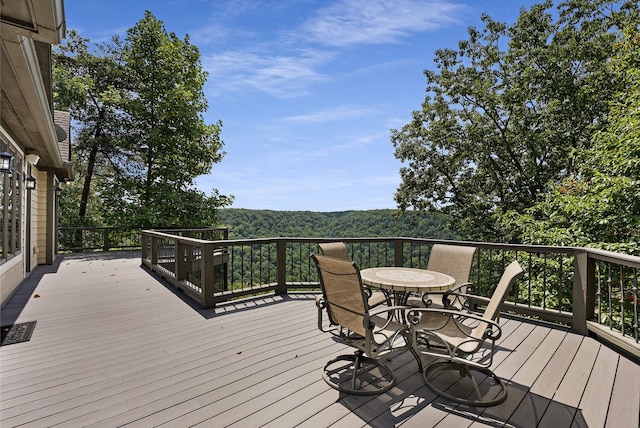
x=321 y=304
x=458 y=287
x=446 y=295
x=493 y=331
x=367 y=291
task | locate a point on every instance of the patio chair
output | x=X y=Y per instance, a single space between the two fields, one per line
x=354 y=323
x=339 y=250
x=459 y=344
x=455 y=261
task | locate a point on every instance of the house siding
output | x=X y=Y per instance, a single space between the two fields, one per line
x=38 y=136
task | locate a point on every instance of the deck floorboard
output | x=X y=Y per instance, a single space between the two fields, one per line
x=116 y=346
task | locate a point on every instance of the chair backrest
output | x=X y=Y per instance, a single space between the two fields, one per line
x=492 y=311
x=343 y=292
x=454 y=260
x=335 y=249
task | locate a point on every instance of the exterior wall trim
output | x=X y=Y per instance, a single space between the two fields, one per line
x=41 y=110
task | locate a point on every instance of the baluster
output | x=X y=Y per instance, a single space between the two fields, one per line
x=609 y=280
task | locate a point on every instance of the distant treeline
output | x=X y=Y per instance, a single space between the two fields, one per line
x=247 y=223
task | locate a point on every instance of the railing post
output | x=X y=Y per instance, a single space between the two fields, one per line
x=154 y=250
x=105 y=239
x=78 y=241
x=144 y=242
x=398 y=255
x=281 y=263
x=207 y=297
x=583 y=291
x=180 y=263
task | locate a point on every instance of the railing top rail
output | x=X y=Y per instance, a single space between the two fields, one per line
x=514 y=247
x=215 y=243
x=188 y=229
x=193 y=229
x=93 y=228
x=610 y=256
x=501 y=246
x=248 y=241
x=178 y=238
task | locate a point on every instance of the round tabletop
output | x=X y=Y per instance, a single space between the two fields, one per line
x=406 y=279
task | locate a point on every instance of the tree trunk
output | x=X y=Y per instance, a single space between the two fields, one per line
x=86 y=189
x=87 y=184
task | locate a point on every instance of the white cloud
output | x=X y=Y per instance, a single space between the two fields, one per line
x=351 y=22
x=280 y=75
x=282 y=64
x=331 y=115
x=213 y=34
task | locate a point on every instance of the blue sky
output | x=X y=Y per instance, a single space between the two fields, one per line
x=307 y=90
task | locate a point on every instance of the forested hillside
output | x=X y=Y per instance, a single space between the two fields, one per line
x=246 y=223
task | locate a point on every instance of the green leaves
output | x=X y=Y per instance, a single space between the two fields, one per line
x=142 y=138
x=599 y=205
x=509 y=112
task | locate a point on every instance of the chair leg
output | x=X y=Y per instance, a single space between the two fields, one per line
x=474 y=382
x=356 y=368
x=416 y=355
x=358 y=361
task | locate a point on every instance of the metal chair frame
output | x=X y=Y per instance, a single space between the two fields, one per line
x=354 y=323
x=456 y=338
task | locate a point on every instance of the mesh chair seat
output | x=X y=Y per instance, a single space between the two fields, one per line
x=339 y=250
x=455 y=261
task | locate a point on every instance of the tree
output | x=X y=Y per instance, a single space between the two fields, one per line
x=497 y=125
x=169 y=144
x=89 y=86
x=599 y=205
x=143 y=127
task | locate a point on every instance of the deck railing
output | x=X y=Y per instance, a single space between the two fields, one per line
x=610 y=293
x=589 y=290
x=87 y=239
x=83 y=239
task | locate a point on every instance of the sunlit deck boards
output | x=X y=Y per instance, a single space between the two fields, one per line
x=114 y=346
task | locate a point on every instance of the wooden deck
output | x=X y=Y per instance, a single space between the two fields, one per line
x=115 y=346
